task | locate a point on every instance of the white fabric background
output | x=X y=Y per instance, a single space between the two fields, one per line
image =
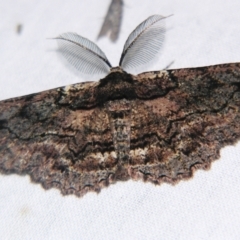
x=200 y=33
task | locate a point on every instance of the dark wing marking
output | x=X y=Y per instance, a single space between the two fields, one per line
x=112 y=22
x=196 y=114
x=144 y=43
x=83 y=54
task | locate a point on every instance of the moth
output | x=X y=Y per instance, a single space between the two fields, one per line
x=157 y=126
x=112 y=21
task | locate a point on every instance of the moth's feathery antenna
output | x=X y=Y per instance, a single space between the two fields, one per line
x=142 y=46
x=83 y=54
x=144 y=43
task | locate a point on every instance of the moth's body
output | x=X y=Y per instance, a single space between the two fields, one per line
x=156 y=126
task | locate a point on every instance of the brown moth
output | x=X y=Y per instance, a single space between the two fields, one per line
x=112 y=21
x=156 y=126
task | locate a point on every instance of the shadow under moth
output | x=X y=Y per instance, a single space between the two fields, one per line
x=156 y=126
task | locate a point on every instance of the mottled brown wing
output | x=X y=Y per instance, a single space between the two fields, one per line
x=112 y=21
x=58 y=137
x=157 y=126
x=196 y=114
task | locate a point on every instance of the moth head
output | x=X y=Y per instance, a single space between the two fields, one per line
x=116 y=70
